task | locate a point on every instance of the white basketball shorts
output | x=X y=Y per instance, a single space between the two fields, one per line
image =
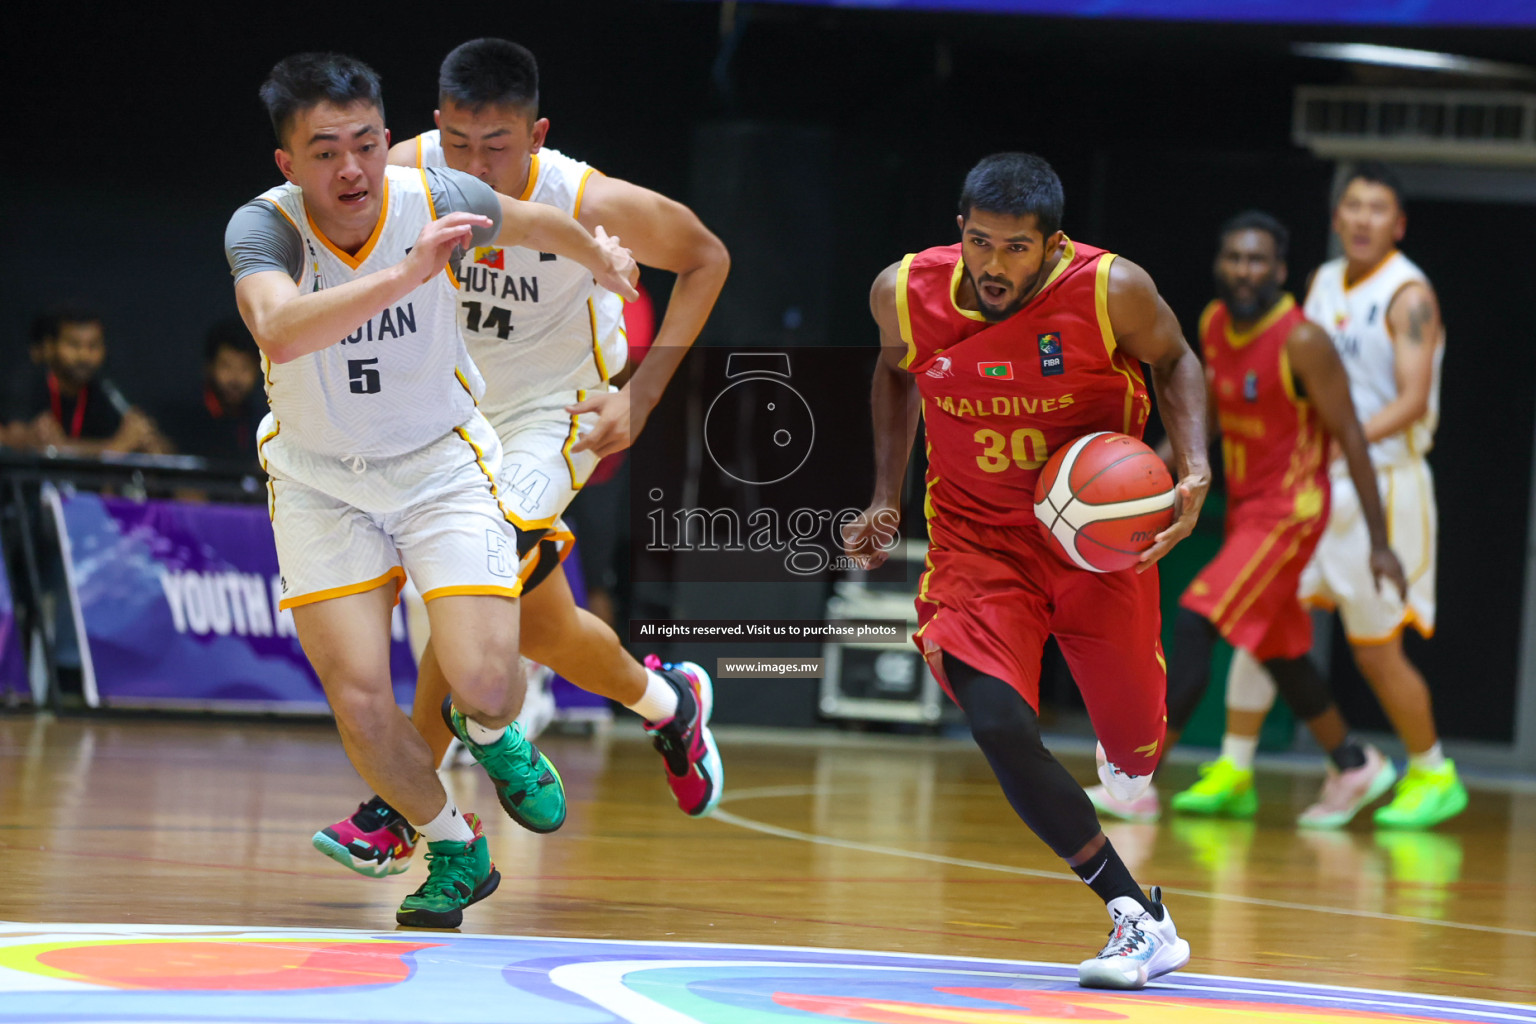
x=1339 y=575
x=541 y=475
x=345 y=526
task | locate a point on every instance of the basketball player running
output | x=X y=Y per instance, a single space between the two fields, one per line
x=1279 y=392
x=1383 y=317
x=379 y=462
x=548 y=342
x=1011 y=344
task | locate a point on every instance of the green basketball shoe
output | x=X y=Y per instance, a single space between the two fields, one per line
x=458 y=874
x=1224 y=790
x=1424 y=798
x=527 y=784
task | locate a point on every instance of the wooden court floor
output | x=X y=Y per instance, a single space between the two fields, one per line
x=889 y=844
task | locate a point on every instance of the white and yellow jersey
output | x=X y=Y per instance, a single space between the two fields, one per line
x=536 y=324
x=1355 y=317
x=400 y=381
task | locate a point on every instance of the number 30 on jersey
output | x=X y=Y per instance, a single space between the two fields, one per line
x=1024 y=448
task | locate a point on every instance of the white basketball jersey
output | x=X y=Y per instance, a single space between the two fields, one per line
x=1356 y=318
x=536 y=324
x=399 y=381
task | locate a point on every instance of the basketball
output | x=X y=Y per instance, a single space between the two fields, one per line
x=1103 y=498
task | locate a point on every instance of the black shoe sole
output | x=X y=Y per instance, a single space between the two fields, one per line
x=452 y=918
x=511 y=809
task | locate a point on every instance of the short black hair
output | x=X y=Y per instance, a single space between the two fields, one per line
x=47 y=324
x=229 y=333
x=307 y=80
x=488 y=71
x=1015 y=184
x=1258 y=220
x=1377 y=173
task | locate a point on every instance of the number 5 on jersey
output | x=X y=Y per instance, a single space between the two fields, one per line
x=362 y=378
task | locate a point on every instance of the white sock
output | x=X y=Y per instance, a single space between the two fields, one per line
x=484 y=735
x=659 y=702
x=448 y=824
x=1432 y=760
x=1239 y=749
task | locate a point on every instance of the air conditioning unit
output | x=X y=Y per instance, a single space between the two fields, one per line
x=1439 y=125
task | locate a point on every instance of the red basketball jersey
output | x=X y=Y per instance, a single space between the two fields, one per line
x=1273 y=444
x=998 y=399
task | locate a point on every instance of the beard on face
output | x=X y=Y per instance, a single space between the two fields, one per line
x=73 y=373
x=1263 y=298
x=997 y=316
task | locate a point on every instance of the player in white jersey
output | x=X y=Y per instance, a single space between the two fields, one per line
x=1384 y=319
x=549 y=341
x=379 y=462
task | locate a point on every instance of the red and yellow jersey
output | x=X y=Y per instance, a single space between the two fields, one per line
x=999 y=398
x=1272 y=441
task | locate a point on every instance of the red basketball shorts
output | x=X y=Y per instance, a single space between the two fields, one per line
x=992 y=594
x=1248 y=591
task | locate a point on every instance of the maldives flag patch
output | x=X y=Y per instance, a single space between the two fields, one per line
x=999 y=371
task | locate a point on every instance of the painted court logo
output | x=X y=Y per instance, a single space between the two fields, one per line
x=1052 y=363
x=998 y=371
x=129 y=973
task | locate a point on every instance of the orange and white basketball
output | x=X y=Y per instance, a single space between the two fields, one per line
x=1103 y=499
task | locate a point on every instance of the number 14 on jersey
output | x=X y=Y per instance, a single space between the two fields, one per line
x=499 y=319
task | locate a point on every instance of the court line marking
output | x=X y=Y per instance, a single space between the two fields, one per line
x=604 y=983
x=766 y=792
x=1187 y=981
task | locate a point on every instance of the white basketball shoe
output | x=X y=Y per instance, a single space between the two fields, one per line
x=1144 y=810
x=1139 y=949
x=539 y=710
x=1122 y=786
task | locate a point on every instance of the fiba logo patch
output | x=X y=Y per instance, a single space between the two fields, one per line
x=500 y=559
x=1052 y=364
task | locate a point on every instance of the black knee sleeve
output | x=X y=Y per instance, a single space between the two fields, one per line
x=1007 y=730
x=1194 y=638
x=1301 y=686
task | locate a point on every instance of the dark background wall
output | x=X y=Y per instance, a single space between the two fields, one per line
x=821 y=145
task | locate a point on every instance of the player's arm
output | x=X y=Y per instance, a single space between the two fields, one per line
x=896 y=405
x=669 y=236
x=287 y=323
x=547 y=229
x=403 y=153
x=1414 y=320
x=1146 y=329
x=1164 y=447
x=1323 y=379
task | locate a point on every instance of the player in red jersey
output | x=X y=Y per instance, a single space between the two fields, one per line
x=1279 y=391
x=1013 y=343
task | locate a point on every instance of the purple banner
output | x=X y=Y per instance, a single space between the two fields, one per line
x=13 y=662
x=176 y=605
